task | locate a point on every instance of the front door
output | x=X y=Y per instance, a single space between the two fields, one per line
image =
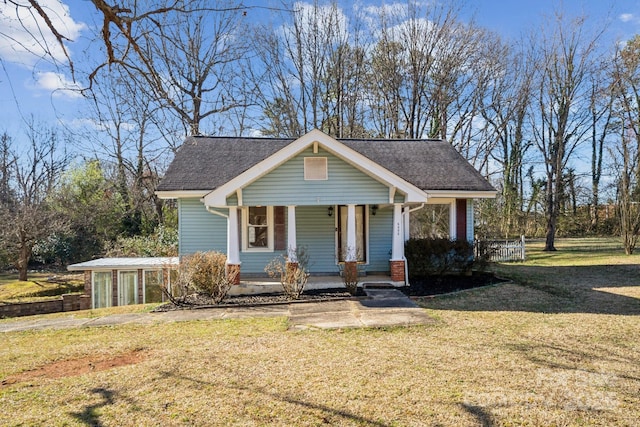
x=361 y=240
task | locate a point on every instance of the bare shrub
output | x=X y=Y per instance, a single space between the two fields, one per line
x=350 y=275
x=293 y=276
x=204 y=273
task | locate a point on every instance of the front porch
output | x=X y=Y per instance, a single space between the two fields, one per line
x=260 y=285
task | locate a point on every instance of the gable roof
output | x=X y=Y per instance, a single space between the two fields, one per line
x=203 y=164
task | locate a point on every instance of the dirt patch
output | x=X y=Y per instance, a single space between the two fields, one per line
x=75 y=367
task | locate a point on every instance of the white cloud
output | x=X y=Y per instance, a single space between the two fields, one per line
x=24 y=36
x=626 y=17
x=57 y=84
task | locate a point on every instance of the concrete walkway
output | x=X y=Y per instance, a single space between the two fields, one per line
x=382 y=307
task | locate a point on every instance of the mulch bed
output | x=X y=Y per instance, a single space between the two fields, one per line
x=420 y=287
x=438 y=285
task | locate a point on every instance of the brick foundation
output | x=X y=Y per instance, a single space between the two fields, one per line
x=351 y=271
x=233 y=273
x=397 y=271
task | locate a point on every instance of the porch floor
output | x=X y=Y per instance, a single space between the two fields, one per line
x=258 y=285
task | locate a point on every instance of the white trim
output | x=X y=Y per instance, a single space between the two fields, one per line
x=233 y=246
x=398 y=237
x=292 y=244
x=218 y=197
x=245 y=233
x=179 y=194
x=453 y=220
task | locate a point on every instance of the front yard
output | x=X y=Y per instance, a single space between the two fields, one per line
x=559 y=346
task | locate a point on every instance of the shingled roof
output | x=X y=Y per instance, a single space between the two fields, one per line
x=205 y=163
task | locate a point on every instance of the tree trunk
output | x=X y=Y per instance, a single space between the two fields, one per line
x=23 y=261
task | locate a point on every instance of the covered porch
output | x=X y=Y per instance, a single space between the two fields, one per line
x=259 y=285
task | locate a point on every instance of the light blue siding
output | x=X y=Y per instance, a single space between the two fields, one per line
x=380 y=239
x=232 y=200
x=200 y=230
x=286 y=185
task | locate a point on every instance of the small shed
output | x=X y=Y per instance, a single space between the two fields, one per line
x=123 y=281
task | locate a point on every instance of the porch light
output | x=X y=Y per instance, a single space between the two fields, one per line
x=374 y=209
x=330 y=211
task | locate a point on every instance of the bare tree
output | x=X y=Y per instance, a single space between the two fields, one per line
x=26 y=216
x=601 y=113
x=504 y=110
x=566 y=55
x=626 y=153
x=312 y=70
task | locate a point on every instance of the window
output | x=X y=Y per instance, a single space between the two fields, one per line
x=153 y=286
x=258 y=228
x=101 y=284
x=315 y=169
x=127 y=287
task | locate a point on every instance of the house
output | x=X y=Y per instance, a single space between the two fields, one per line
x=346 y=201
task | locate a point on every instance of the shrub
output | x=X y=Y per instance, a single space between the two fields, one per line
x=293 y=277
x=163 y=242
x=426 y=257
x=204 y=273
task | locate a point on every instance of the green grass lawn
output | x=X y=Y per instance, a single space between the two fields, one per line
x=40 y=286
x=560 y=345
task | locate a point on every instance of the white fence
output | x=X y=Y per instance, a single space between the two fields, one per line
x=500 y=250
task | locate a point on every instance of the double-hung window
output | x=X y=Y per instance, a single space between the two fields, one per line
x=258 y=228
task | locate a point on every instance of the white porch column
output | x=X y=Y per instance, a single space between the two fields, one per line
x=351 y=234
x=397 y=248
x=406 y=216
x=453 y=233
x=233 y=244
x=291 y=234
x=470 y=221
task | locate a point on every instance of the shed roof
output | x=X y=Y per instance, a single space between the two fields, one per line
x=124 y=263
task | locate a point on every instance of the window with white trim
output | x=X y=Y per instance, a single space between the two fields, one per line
x=315 y=169
x=257 y=228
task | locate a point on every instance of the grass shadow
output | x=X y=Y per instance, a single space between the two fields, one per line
x=89 y=415
x=484 y=417
x=329 y=412
x=598 y=289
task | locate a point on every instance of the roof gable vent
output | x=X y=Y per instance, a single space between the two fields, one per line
x=315 y=169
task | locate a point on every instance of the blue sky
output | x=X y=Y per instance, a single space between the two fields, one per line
x=31 y=86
